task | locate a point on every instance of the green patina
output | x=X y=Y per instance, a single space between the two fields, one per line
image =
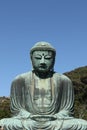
x=42 y=99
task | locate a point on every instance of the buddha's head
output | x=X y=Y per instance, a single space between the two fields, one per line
x=43 y=57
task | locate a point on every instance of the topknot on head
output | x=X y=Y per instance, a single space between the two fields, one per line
x=42 y=46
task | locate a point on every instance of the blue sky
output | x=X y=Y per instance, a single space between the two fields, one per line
x=63 y=23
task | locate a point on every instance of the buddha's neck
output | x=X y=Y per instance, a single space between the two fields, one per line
x=43 y=75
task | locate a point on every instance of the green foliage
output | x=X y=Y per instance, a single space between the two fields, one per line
x=4 y=107
x=79 y=80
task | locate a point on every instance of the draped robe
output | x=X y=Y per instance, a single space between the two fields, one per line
x=60 y=105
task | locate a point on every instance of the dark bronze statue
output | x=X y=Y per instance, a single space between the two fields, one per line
x=42 y=99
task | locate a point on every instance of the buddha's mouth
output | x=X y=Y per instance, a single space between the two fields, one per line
x=43 y=66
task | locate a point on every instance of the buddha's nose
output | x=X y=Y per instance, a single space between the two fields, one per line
x=42 y=61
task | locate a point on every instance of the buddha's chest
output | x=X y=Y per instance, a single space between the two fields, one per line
x=42 y=93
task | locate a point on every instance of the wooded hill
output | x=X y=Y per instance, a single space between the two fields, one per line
x=79 y=80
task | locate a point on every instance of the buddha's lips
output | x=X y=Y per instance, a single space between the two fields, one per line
x=43 y=66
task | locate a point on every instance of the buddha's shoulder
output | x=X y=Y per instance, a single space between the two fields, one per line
x=22 y=76
x=62 y=77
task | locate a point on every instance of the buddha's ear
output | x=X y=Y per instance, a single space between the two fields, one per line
x=53 y=61
x=31 y=54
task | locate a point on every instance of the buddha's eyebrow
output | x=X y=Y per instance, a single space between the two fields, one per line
x=37 y=54
x=48 y=55
x=40 y=54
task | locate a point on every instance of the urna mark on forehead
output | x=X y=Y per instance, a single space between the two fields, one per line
x=42 y=53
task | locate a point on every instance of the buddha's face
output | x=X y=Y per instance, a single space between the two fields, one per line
x=43 y=61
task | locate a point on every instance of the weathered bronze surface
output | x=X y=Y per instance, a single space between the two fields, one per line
x=42 y=99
